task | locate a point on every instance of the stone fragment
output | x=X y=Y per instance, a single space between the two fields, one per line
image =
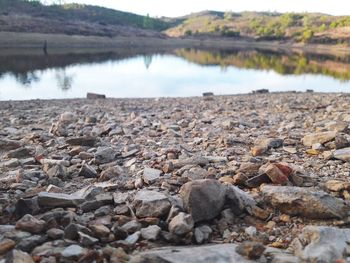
x=58 y=200
x=105 y=155
x=181 y=224
x=337 y=185
x=203 y=199
x=202 y=233
x=82 y=141
x=94 y=96
x=321 y=137
x=151 y=204
x=250 y=250
x=305 y=202
x=30 y=224
x=87 y=171
x=150 y=176
x=8 y=145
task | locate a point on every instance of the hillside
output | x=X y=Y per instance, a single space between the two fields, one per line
x=74 y=19
x=77 y=19
x=303 y=27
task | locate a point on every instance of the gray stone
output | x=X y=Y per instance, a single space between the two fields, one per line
x=151 y=204
x=58 y=200
x=131 y=227
x=181 y=224
x=203 y=199
x=8 y=145
x=105 y=155
x=151 y=232
x=238 y=200
x=202 y=233
x=150 y=176
x=87 y=240
x=132 y=239
x=342 y=154
x=305 y=202
x=73 y=252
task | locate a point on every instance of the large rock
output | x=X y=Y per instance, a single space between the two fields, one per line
x=320 y=137
x=225 y=253
x=238 y=200
x=203 y=199
x=342 y=154
x=305 y=202
x=151 y=204
x=321 y=244
x=58 y=200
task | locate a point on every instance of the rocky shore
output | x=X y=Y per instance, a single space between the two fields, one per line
x=249 y=178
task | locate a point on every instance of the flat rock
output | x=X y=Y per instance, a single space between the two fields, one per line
x=320 y=137
x=203 y=199
x=73 y=252
x=342 y=154
x=225 y=253
x=305 y=202
x=151 y=204
x=58 y=200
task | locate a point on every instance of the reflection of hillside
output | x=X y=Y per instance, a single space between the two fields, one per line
x=24 y=66
x=297 y=64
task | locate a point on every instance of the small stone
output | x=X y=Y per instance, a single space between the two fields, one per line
x=151 y=232
x=181 y=224
x=58 y=200
x=82 y=141
x=203 y=199
x=250 y=250
x=55 y=233
x=150 y=176
x=132 y=239
x=251 y=231
x=31 y=224
x=87 y=240
x=202 y=233
x=94 y=96
x=151 y=204
x=105 y=155
x=100 y=230
x=87 y=171
x=73 y=252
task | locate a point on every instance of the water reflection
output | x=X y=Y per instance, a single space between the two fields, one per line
x=180 y=72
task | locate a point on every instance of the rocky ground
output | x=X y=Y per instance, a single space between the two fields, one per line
x=251 y=178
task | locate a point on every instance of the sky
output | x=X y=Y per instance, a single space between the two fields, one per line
x=183 y=7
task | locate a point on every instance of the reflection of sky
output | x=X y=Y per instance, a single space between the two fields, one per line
x=167 y=76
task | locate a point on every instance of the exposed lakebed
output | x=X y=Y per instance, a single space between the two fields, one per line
x=172 y=73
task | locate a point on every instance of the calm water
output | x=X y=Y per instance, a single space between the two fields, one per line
x=175 y=73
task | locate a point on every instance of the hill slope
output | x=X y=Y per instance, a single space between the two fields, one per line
x=306 y=27
x=24 y=16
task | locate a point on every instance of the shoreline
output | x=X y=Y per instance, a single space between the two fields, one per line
x=57 y=43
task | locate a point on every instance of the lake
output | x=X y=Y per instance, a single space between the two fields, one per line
x=28 y=75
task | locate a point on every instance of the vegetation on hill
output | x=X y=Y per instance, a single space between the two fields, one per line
x=33 y=16
x=299 y=27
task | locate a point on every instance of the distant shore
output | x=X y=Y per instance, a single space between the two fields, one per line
x=11 y=40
